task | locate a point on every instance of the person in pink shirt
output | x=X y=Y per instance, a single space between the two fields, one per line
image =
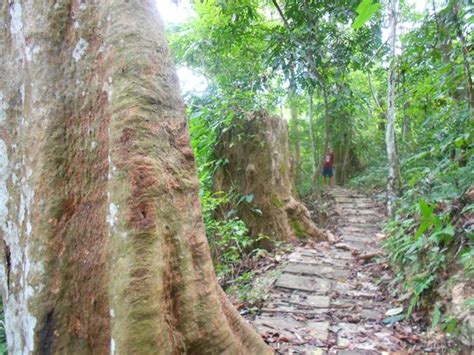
x=328 y=171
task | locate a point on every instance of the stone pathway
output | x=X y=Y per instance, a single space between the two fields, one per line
x=325 y=301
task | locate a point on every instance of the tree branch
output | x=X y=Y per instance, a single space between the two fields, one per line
x=282 y=15
x=373 y=93
x=376 y=52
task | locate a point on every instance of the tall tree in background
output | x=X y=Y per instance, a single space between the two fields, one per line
x=294 y=126
x=393 y=185
x=456 y=6
x=102 y=242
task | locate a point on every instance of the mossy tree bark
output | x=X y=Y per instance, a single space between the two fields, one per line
x=103 y=248
x=258 y=165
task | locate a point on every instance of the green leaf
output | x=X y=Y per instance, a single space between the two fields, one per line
x=366 y=10
x=444 y=235
x=422 y=228
x=425 y=208
x=436 y=317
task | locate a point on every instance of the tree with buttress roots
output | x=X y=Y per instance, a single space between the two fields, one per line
x=102 y=244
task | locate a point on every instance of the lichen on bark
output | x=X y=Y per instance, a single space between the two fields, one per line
x=100 y=200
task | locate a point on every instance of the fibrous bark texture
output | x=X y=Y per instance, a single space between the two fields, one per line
x=102 y=245
x=258 y=165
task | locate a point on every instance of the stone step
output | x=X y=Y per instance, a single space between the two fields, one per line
x=369 y=227
x=362 y=220
x=359 y=238
x=287 y=326
x=317 y=270
x=360 y=212
x=354 y=200
x=341 y=263
x=317 y=285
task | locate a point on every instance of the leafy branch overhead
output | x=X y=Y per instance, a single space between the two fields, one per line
x=365 y=11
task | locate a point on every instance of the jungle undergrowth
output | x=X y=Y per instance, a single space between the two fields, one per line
x=430 y=240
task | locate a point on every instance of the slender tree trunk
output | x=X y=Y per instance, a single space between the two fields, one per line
x=325 y=139
x=313 y=137
x=466 y=56
x=344 y=172
x=406 y=119
x=294 y=127
x=296 y=138
x=327 y=123
x=393 y=183
x=103 y=248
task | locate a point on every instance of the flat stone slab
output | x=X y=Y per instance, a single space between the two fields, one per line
x=318 y=330
x=304 y=283
x=358 y=229
x=298 y=268
x=358 y=238
x=363 y=226
x=361 y=246
x=319 y=261
x=355 y=201
x=338 y=303
x=287 y=326
x=301 y=349
x=360 y=212
x=362 y=219
x=346 y=332
x=322 y=270
x=352 y=205
x=277 y=324
x=297 y=303
x=316 y=301
x=335 y=254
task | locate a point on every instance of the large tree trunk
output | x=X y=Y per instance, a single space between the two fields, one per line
x=393 y=169
x=258 y=166
x=102 y=242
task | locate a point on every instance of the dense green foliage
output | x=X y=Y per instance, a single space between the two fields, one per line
x=429 y=239
x=251 y=59
x=285 y=56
